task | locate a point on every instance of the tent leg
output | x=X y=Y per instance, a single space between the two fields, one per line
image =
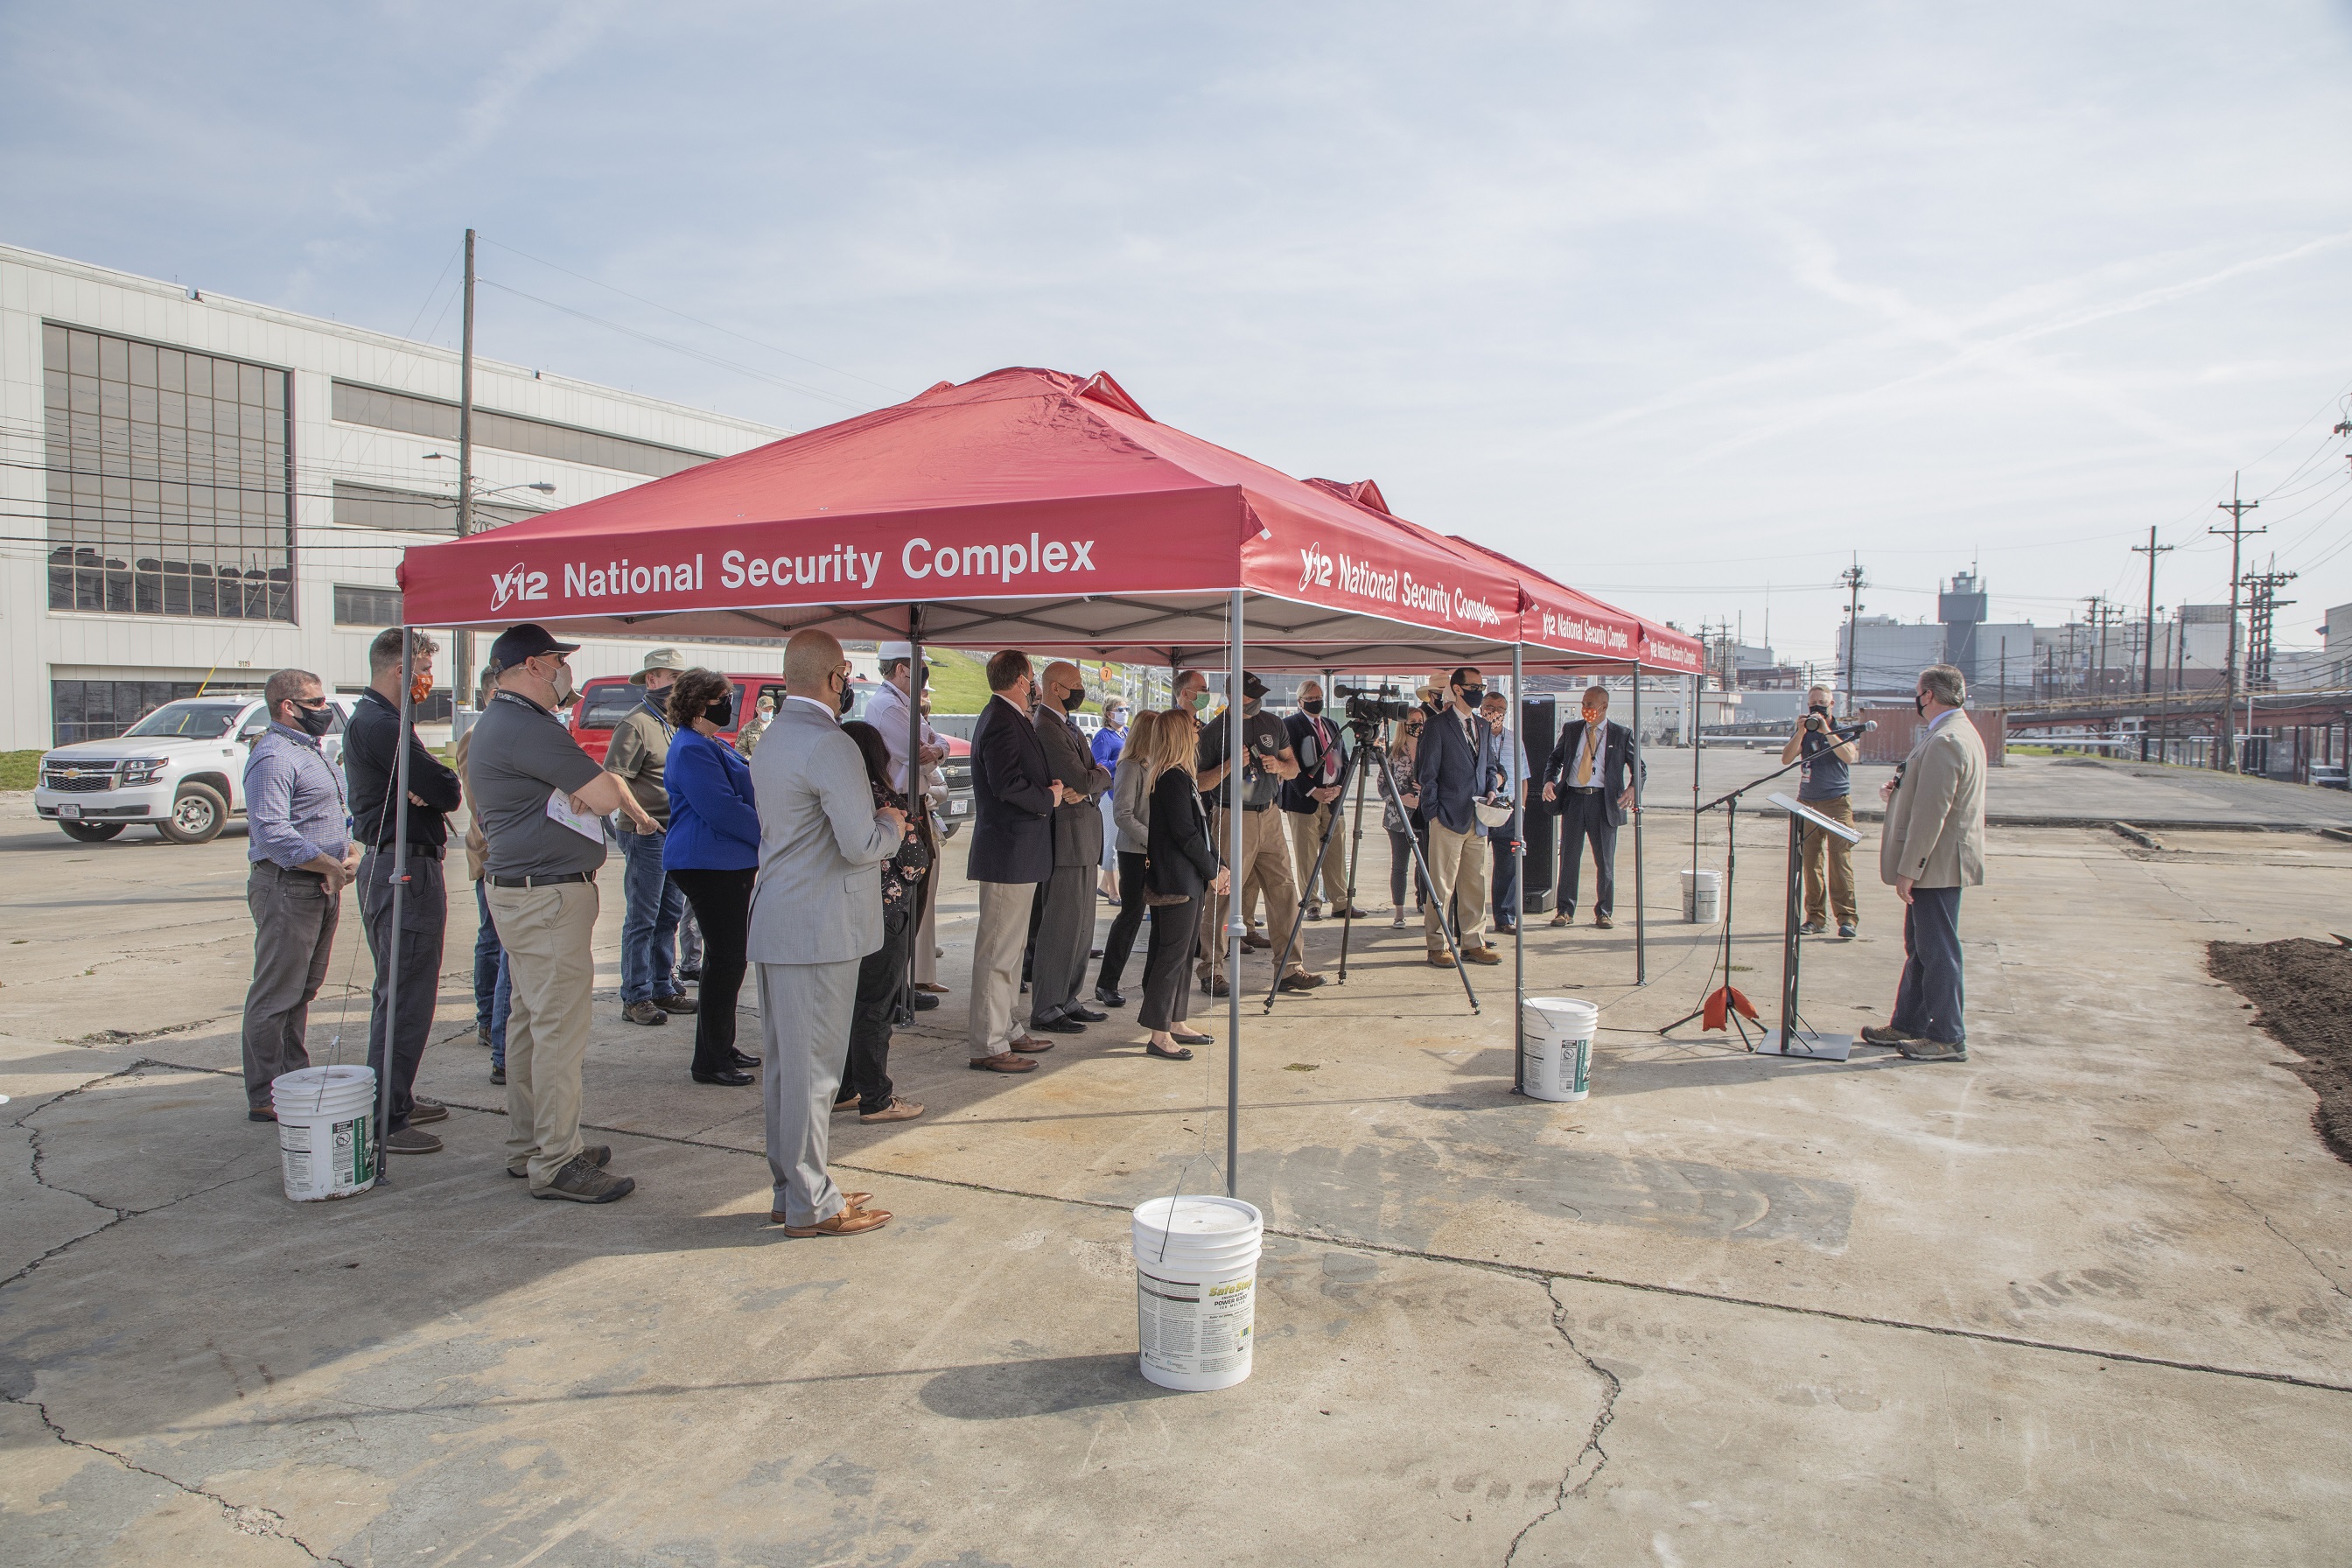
x=1697 y=746
x=917 y=800
x=1235 y=921
x=1641 y=924
x=1519 y=884
x=399 y=874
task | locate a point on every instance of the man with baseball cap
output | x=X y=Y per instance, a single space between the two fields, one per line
x=538 y=797
x=650 y=991
x=1265 y=760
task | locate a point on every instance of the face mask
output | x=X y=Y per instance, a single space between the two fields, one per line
x=1474 y=695
x=721 y=712
x=1819 y=709
x=420 y=688
x=1920 y=703
x=1249 y=704
x=315 y=720
x=1200 y=701
x=1074 y=701
x=1311 y=708
x=847 y=691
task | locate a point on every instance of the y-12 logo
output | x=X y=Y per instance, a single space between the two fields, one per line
x=1316 y=567
x=513 y=583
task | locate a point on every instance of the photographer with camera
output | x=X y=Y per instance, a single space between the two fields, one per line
x=1265 y=762
x=1824 y=785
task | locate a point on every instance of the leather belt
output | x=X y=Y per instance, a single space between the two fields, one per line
x=557 y=879
x=418 y=851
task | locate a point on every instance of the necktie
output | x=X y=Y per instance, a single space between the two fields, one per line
x=1584 y=758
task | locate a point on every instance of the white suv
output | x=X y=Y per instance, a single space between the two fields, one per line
x=180 y=770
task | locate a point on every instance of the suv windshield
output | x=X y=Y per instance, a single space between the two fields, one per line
x=187 y=721
x=602 y=707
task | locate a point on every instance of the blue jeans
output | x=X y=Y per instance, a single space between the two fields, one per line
x=493 y=980
x=1927 y=999
x=649 y=929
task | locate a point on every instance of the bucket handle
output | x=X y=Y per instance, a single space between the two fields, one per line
x=1167 y=1232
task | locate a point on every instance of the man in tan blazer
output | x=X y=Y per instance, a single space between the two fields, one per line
x=1931 y=847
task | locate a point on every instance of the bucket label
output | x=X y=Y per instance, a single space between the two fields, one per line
x=345 y=1163
x=1190 y=1328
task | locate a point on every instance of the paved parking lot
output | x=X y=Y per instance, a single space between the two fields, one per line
x=2082 y=1300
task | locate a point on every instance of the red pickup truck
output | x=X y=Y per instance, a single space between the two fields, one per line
x=604 y=700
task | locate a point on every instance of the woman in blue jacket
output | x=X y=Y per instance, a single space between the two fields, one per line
x=712 y=854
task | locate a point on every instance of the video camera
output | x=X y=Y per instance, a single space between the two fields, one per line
x=1381 y=706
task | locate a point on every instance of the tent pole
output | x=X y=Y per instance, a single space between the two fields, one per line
x=1641 y=926
x=1696 y=747
x=1234 y=922
x=1519 y=879
x=917 y=800
x=399 y=874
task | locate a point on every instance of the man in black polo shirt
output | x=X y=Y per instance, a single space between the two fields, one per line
x=371 y=752
x=1266 y=760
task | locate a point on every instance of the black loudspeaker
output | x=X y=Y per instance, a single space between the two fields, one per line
x=1539 y=729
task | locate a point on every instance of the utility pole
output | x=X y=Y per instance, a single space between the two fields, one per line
x=2147 y=674
x=1853 y=579
x=462 y=673
x=2237 y=534
x=2263 y=604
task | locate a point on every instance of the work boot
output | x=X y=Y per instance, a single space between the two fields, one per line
x=679 y=1002
x=598 y=1154
x=1441 y=960
x=583 y=1180
x=1932 y=1051
x=1481 y=955
x=643 y=1013
x=1257 y=941
x=498 y=1074
x=1300 y=980
x=1876 y=1034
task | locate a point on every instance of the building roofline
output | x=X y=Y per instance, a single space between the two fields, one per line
x=277 y=315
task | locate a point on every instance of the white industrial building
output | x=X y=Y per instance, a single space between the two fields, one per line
x=202 y=491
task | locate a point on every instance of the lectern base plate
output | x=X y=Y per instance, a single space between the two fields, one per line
x=1807 y=1042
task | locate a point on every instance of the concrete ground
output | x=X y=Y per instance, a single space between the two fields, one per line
x=2082 y=1300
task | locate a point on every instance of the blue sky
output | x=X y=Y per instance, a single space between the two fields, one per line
x=1685 y=304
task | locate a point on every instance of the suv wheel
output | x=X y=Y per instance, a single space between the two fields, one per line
x=198 y=813
x=91 y=832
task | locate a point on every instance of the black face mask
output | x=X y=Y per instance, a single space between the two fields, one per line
x=848 y=691
x=1074 y=701
x=315 y=720
x=1920 y=703
x=1474 y=695
x=1818 y=708
x=721 y=712
x=1311 y=708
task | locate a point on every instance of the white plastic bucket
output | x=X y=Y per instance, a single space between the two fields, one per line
x=1702 y=897
x=326 y=1130
x=1196 y=1289
x=1559 y=1047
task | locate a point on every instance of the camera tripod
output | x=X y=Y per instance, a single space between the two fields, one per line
x=1368 y=749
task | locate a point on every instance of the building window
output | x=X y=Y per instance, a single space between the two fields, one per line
x=101 y=709
x=430 y=416
x=171 y=489
x=359 y=607
x=415 y=511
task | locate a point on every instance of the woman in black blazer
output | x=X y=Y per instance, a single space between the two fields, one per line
x=1179 y=861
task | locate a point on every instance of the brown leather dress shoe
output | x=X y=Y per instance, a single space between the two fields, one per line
x=848 y=1222
x=854 y=1200
x=1002 y=1061
x=1030 y=1046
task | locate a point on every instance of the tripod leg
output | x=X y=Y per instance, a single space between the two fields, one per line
x=1355 y=855
x=1298 y=921
x=1444 y=906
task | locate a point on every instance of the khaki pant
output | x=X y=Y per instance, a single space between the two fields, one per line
x=548 y=934
x=1265 y=867
x=1318 y=880
x=992 y=1023
x=1457 y=866
x=1819 y=845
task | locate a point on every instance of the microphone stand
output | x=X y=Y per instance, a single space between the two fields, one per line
x=1729 y=801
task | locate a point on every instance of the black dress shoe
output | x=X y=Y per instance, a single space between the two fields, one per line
x=1064 y=1025
x=924 y=1001
x=1084 y=1013
x=731 y=1079
x=742 y=1063
x=1109 y=998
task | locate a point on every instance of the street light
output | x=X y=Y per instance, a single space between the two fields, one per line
x=542 y=486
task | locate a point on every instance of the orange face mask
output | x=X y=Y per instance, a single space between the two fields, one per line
x=420 y=688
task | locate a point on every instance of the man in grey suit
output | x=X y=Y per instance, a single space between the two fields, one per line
x=1929 y=847
x=1065 y=933
x=816 y=910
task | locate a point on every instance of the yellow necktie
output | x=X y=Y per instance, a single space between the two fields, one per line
x=1584 y=762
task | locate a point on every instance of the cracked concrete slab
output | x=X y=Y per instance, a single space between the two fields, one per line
x=1545 y=1334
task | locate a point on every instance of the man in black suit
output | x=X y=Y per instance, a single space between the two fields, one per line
x=1457 y=767
x=1594 y=775
x=1065 y=927
x=1014 y=795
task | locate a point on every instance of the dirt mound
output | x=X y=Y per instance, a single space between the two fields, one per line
x=2301 y=992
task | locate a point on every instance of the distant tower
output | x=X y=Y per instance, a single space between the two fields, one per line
x=1961 y=608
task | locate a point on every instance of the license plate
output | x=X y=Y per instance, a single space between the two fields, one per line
x=69 y=811
x=955 y=808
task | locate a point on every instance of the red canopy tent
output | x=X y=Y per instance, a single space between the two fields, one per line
x=1039 y=510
